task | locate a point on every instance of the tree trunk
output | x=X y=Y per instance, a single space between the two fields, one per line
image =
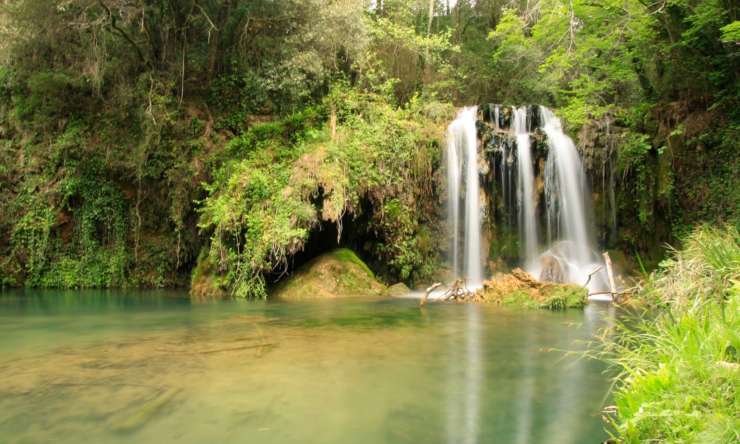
x=333 y=123
x=610 y=274
x=431 y=16
x=214 y=46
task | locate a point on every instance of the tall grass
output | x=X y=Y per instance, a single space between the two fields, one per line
x=679 y=366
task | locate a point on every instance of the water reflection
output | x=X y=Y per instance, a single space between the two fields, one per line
x=157 y=370
x=535 y=386
x=525 y=392
x=466 y=368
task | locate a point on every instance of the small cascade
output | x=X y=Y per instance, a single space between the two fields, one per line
x=525 y=189
x=463 y=187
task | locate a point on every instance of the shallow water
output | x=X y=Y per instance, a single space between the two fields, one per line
x=111 y=367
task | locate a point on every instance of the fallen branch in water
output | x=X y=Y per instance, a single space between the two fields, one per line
x=428 y=292
x=590 y=275
x=458 y=290
x=610 y=275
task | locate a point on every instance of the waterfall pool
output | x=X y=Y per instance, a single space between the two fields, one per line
x=152 y=367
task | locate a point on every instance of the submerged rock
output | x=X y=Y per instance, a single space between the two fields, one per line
x=339 y=273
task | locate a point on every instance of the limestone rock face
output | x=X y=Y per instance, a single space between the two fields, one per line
x=339 y=273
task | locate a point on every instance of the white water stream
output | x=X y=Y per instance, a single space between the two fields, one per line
x=462 y=174
x=525 y=189
x=566 y=194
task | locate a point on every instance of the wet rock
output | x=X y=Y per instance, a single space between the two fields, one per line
x=206 y=283
x=551 y=269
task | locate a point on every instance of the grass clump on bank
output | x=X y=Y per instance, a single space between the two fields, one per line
x=680 y=368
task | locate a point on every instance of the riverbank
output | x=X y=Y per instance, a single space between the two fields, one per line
x=680 y=365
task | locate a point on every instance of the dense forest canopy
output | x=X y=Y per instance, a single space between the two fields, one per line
x=145 y=141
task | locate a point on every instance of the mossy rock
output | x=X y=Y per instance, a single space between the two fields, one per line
x=550 y=296
x=206 y=283
x=520 y=289
x=398 y=290
x=562 y=296
x=339 y=273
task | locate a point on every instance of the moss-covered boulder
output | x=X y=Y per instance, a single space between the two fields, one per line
x=398 y=290
x=520 y=289
x=206 y=283
x=339 y=273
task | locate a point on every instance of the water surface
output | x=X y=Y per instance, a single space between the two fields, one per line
x=150 y=367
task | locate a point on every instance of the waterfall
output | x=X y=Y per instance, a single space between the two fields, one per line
x=525 y=188
x=462 y=170
x=513 y=139
x=566 y=203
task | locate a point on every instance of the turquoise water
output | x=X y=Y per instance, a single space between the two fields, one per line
x=150 y=367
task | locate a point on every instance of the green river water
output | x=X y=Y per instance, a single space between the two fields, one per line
x=152 y=367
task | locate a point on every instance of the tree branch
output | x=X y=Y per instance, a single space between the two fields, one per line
x=123 y=34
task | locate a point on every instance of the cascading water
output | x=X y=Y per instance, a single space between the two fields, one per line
x=462 y=170
x=566 y=204
x=560 y=226
x=552 y=223
x=525 y=188
x=454 y=140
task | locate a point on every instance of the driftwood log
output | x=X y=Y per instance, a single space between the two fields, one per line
x=428 y=292
x=457 y=291
x=615 y=294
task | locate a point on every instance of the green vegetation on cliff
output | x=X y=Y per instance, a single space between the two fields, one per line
x=269 y=195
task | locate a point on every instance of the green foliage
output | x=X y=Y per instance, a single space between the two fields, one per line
x=702 y=270
x=51 y=95
x=635 y=161
x=30 y=236
x=520 y=299
x=262 y=208
x=679 y=368
x=553 y=297
x=400 y=59
x=93 y=254
x=516 y=59
x=731 y=32
x=562 y=297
